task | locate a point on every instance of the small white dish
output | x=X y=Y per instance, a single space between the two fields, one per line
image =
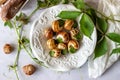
x=39 y=47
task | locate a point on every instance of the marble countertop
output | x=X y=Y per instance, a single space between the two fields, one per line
x=8 y=36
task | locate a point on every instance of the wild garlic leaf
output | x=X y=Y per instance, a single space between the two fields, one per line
x=72 y=50
x=92 y=14
x=114 y=37
x=65 y=1
x=102 y=24
x=69 y=14
x=9 y=24
x=86 y=25
x=101 y=48
x=79 y=4
x=51 y=53
x=116 y=51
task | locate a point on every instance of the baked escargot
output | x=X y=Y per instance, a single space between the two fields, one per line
x=57 y=25
x=51 y=44
x=73 y=46
x=56 y=53
x=63 y=48
x=63 y=37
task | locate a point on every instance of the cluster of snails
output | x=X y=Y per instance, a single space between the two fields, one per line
x=63 y=37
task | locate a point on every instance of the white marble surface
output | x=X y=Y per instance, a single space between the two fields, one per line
x=8 y=36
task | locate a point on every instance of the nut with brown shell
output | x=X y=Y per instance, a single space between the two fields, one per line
x=63 y=37
x=73 y=46
x=48 y=33
x=29 y=69
x=51 y=44
x=7 y=49
x=56 y=27
x=68 y=24
x=56 y=53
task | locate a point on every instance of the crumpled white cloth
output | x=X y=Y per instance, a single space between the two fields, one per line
x=98 y=66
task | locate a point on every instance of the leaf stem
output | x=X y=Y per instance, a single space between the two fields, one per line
x=33 y=12
x=108 y=18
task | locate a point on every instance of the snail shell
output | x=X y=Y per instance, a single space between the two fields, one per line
x=74 y=44
x=64 y=36
x=56 y=27
x=68 y=24
x=51 y=44
x=62 y=46
x=57 y=53
x=48 y=33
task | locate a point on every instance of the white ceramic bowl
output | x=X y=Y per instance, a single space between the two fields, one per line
x=39 y=47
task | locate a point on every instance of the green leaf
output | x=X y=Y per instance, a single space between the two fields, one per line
x=78 y=36
x=101 y=48
x=86 y=25
x=114 y=37
x=72 y=50
x=65 y=1
x=102 y=24
x=92 y=14
x=9 y=24
x=22 y=18
x=41 y=4
x=69 y=14
x=25 y=41
x=59 y=40
x=64 y=52
x=116 y=51
x=51 y=53
x=79 y=4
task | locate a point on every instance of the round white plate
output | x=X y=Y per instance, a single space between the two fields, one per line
x=39 y=47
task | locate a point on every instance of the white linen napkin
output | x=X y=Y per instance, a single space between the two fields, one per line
x=98 y=66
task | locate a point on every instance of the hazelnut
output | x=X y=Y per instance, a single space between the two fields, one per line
x=48 y=33
x=68 y=24
x=56 y=53
x=56 y=26
x=7 y=48
x=63 y=37
x=51 y=43
x=29 y=69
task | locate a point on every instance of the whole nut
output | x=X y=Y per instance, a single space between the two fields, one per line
x=29 y=69
x=7 y=49
x=48 y=33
